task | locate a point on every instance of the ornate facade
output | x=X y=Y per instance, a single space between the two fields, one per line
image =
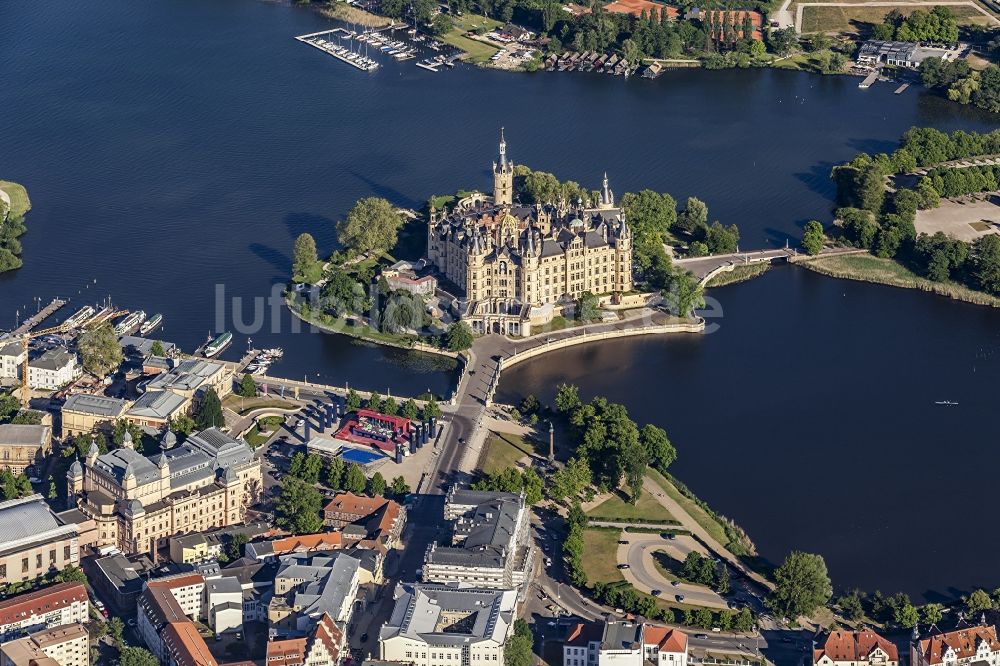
x=515 y=263
x=139 y=502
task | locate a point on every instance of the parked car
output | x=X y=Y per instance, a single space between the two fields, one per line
x=656 y=593
x=679 y=597
x=623 y=542
x=623 y=566
x=701 y=635
x=675 y=583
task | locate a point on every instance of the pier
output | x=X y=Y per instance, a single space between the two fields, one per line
x=339 y=52
x=869 y=80
x=36 y=319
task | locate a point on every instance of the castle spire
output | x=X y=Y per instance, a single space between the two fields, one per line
x=503 y=149
x=607 y=196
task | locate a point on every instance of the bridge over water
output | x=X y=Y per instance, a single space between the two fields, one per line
x=706 y=268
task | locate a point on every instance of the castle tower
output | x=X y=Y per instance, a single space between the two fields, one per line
x=74 y=484
x=503 y=176
x=607 y=196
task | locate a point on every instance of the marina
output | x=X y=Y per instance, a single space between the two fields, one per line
x=371 y=42
x=342 y=53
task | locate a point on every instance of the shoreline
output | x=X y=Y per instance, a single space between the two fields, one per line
x=875 y=270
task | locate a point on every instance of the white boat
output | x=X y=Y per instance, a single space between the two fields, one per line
x=946 y=403
x=78 y=317
x=129 y=323
x=217 y=345
x=151 y=323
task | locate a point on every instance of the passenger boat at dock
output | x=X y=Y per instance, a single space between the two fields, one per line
x=130 y=322
x=218 y=344
x=79 y=317
x=151 y=324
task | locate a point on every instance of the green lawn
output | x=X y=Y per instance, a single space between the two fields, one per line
x=647 y=509
x=600 y=556
x=666 y=565
x=19 y=201
x=869 y=268
x=852 y=19
x=706 y=521
x=478 y=51
x=242 y=405
x=503 y=450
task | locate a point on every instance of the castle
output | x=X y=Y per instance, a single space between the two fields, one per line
x=517 y=264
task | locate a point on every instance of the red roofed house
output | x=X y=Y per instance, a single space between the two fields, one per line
x=383 y=431
x=624 y=643
x=637 y=7
x=738 y=18
x=322 y=647
x=856 y=648
x=56 y=605
x=962 y=646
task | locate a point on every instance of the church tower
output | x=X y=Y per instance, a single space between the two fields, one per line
x=503 y=176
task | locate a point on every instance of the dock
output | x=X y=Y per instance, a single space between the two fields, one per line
x=869 y=80
x=36 y=319
x=901 y=88
x=339 y=52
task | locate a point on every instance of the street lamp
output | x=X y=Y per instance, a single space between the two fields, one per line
x=552 y=442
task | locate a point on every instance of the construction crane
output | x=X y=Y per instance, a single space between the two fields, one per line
x=26 y=339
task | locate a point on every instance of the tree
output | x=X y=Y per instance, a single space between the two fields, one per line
x=684 y=294
x=693 y=217
x=136 y=656
x=9 y=406
x=352 y=402
x=978 y=602
x=743 y=621
x=567 y=398
x=813 y=239
x=234 y=547
x=376 y=485
x=431 y=409
x=374 y=402
x=99 y=350
x=157 y=349
x=298 y=507
x=851 y=605
x=906 y=616
x=116 y=628
x=587 y=307
x=458 y=337
x=410 y=409
x=931 y=613
x=659 y=450
x=71 y=574
x=442 y=24
x=354 y=479
x=985 y=259
x=305 y=263
x=390 y=407
x=209 y=414
x=782 y=42
x=518 y=651
x=335 y=473
x=371 y=226
x=247 y=387
x=399 y=488
x=802 y=585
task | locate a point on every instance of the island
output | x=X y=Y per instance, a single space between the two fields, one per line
x=14 y=203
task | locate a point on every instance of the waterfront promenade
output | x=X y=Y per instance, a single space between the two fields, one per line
x=706 y=268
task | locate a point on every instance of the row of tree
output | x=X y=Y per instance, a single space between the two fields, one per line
x=623 y=595
x=11 y=229
x=938 y=25
x=898 y=610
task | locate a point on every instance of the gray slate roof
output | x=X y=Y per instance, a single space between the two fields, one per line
x=98 y=405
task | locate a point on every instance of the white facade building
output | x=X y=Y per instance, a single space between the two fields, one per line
x=624 y=644
x=448 y=625
x=53 y=369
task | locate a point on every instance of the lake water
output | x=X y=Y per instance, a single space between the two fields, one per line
x=175 y=149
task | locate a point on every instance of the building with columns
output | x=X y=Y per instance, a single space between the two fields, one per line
x=515 y=264
x=138 y=503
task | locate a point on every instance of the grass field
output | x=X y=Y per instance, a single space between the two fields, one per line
x=852 y=19
x=19 y=201
x=478 y=51
x=503 y=450
x=868 y=268
x=646 y=509
x=706 y=521
x=600 y=556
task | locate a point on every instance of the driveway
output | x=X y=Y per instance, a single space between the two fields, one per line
x=645 y=576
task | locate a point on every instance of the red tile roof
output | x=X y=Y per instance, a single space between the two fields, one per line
x=665 y=639
x=582 y=633
x=186 y=646
x=963 y=641
x=854 y=646
x=318 y=541
x=291 y=652
x=173 y=582
x=330 y=635
x=46 y=600
x=357 y=505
